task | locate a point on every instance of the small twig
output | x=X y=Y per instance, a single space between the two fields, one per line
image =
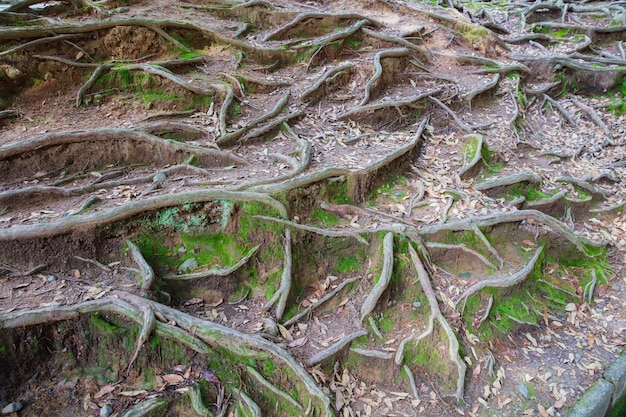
x=94 y=262
x=333 y=349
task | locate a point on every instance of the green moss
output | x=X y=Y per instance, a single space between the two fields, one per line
x=338 y=192
x=347 y=264
x=269 y=368
x=386 y=324
x=392 y=189
x=320 y=216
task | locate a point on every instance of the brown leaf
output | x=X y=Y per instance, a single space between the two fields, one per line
x=528 y=242
x=104 y=391
x=298 y=342
x=173 y=378
x=542 y=411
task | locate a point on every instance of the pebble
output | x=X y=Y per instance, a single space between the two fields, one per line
x=523 y=389
x=189 y=265
x=417 y=304
x=270 y=326
x=52 y=278
x=106 y=410
x=12 y=408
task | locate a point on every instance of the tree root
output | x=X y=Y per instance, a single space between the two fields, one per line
x=464 y=127
x=411 y=378
x=369 y=304
x=90 y=82
x=316 y=230
x=326 y=78
x=462 y=247
x=387 y=53
x=596 y=118
x=170 y=76
x=309 y=309
x=147 y=273
x=394 y=39
x=191 y=331
x=285 y=278
x=468 y=166
x=214 y=272
x=561 y=110
x=147 y=328
x=507 y=181
x=507 y=282
x=408 y=102
x=231 y=137
x=279 y=32
x=334 y=349
x=145 y=408
x=271 y=388
x=593 y=189
x=435 y=314
x=129 y=209
x=195 y=397
x=514 y=216
x=481 y=89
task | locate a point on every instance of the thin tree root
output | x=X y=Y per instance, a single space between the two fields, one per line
x=485 y=316
x=408 y=102
x=329 y=75
x=214 y=272
x=593 y=189
x=147 y=273
x=334 y=349
x=562 y=111
x=411 y=379
x=90 y=82
x=378 y=72
x=481 y=89
x=462 y=247
x=145 y=408
x=308 y=310
x=95 y=263
x=369 y=304
x=231 y=137
x=285 y=279
x=146 y=329
x=246 y=405
x=595 y=117
x=316 y=230
x=464 y=127
x=195 y=397
x=277 y=34
x=435 y=314
x=507 y=282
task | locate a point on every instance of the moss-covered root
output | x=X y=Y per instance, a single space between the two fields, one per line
x=147 y=328
x=473 y=155
x=285 y=279
x=435 y=314
x=381 y=285
x=147 y=273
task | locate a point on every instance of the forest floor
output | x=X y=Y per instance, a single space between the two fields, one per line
x=352 y=207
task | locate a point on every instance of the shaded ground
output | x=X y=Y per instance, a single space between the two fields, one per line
x=351 y=208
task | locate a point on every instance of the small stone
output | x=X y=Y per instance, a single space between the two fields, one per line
x=523 y=389
x=269 y=326
x=182 y=250
x=106 y=410
x=417 y=304
x=52 y=278
x=189 y=265
x=12 y=408
x=159 y=178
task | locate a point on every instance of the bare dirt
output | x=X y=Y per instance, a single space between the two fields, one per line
x=356 y=118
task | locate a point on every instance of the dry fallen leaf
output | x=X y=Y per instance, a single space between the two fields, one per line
x=173 y=378
x=298 y=342
x=104 y=391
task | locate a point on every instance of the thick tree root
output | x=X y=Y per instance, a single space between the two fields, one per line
x=507 y=282
x=271 y=388
x=129 y=209
x=147 y=328
x=468 y=167
x=408 y=102
x=507 y=181
x=195 y=333
x=378 y=72
x=328 y=76
x=369 y=304
x=481 y=89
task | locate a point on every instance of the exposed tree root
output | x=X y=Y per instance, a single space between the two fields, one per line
x=214 y=272
x=370 y=302
x=408 y=102
x=593 y=189
x=481 y=89
x=378 y=72
x=285 y=279
x=321 y=301
x=316 y=230
x=328 y=76
x=515 y=216
x=147 y=328
x=90 y=82
x=435 y=315
x=464 y=127
x=462 y=247
x=507 y=181
x=147 y=273
x=507 y=282
x=595 y=117
x=271 y=388
x=231 y=137
x=279 y=32
x=193 y=332
x=129 y=209
x=334 y=349
x=468 y=166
